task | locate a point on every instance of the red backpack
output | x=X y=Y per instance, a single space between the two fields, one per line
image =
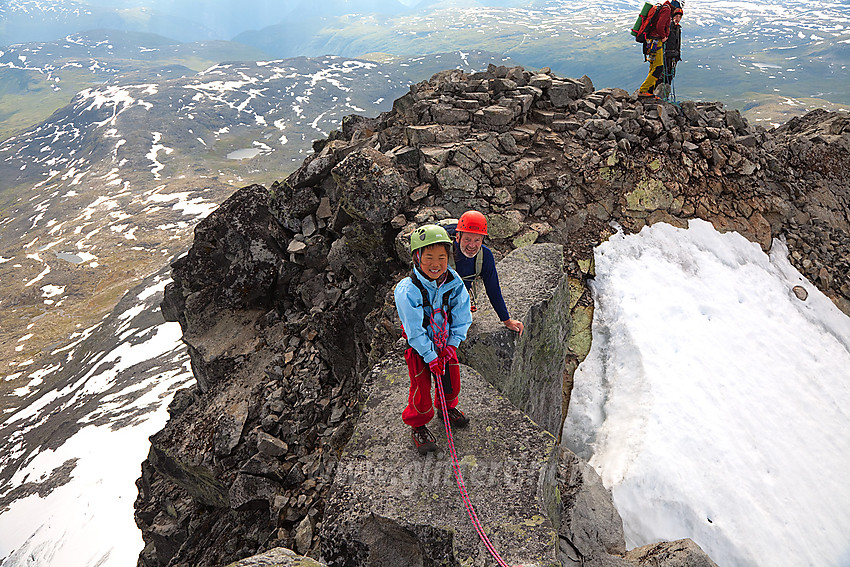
x=652 y=23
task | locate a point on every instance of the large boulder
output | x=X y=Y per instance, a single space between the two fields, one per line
x=528 y=369
x=589 y=526
x=277 y=557
x=371 y=187
x=390 y=506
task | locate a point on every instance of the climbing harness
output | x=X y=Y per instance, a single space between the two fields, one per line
x=441 y=335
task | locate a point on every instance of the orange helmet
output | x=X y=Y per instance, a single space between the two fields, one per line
x=472 y=221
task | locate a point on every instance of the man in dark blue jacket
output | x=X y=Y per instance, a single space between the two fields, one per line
x=473 y=259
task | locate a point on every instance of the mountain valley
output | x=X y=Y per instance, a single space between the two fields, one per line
x=114 y=145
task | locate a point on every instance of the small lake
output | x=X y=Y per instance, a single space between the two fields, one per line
x=73 y=258
x=246 y=153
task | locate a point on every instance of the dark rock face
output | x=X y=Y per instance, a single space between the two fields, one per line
x=284 y=297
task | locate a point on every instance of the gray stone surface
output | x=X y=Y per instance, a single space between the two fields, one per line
x=277 y=557
x=528 y=369
x=390 y=506
x=680 y=553
x=588 y=523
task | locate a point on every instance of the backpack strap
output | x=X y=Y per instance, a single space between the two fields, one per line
x=479 y=264
x=426 y=302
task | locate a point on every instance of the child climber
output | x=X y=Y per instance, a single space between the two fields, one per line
x=434 y=309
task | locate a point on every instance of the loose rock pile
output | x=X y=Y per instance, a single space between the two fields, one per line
x=284 y=296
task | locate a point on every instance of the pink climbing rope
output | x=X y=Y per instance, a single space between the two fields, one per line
x=441 y=335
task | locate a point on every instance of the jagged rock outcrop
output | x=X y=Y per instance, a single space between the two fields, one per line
x=528 y=369
x=284 y=297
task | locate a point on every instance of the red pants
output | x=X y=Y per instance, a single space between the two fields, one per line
x=420 y=407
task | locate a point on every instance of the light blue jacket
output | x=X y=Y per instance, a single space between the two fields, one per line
x=408 y=302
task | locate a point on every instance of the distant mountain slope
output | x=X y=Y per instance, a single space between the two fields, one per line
x=38 y=78
x=24 y=21
x=47 y=20
x=109 y=188
x=774 y=59
x=334 y=8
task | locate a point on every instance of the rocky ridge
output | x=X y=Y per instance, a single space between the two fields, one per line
x=284 y=297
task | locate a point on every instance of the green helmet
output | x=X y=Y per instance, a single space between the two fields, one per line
x=428 y=234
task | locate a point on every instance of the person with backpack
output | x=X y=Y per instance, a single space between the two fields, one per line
x=653 y=34
x=435 y=314
x=473 y=260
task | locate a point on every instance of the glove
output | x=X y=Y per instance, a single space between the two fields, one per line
x=448 y=353
x=437 y=366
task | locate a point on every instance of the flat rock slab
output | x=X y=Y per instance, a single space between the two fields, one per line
x=390 y=506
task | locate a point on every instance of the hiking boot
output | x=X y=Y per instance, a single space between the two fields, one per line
x=456 y=417
x=424 y=441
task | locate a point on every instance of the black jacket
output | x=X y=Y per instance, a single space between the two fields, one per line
x=673 y=45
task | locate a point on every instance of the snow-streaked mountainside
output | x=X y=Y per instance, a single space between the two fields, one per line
x=270 y=101
x=37 y=79
x=70 y=457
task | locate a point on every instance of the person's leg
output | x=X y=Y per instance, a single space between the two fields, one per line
x=452 y=379
x=452 y=375
x=420 y=407
x=656 y=68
